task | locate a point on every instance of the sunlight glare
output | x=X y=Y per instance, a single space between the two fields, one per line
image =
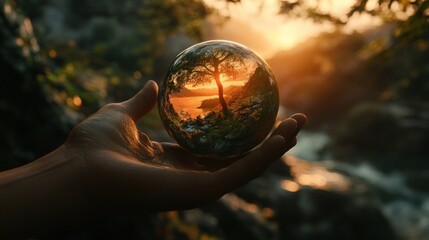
x=258 y=25
x=223 y=78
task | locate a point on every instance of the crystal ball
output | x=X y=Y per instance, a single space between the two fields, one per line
x=219 y=99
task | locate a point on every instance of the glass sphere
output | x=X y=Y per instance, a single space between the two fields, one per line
x=219 y=99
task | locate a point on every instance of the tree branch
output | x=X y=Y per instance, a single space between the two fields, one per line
x=224 y=57
x=208 y=69
x=202 y=72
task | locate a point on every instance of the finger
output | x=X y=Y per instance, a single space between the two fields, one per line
x=182 y=189
x=251 y=166
x=291 y=144
x=157 y=188
x=194 y=188
x=143 y=101
x=287 y=129
x=208 y=186
x=301 y=119
x=270 y=151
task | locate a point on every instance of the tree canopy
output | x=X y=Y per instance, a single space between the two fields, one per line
x=204 y=63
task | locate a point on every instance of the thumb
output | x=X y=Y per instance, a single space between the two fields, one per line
x=141 y=103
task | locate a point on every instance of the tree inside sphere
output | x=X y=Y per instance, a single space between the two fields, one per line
x=219 y=99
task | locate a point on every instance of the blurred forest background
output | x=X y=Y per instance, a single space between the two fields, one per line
x=360 y=170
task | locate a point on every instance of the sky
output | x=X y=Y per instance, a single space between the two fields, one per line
x=255 y=23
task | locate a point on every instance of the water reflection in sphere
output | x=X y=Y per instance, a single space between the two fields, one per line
x=218 y=99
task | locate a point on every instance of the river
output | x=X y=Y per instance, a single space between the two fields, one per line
x=405 y=208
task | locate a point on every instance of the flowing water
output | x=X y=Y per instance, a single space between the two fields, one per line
x=406 y=209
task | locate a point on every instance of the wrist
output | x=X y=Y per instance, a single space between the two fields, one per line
x=43 y=196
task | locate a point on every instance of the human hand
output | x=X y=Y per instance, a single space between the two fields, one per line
x=107 y=167
x=126 y=172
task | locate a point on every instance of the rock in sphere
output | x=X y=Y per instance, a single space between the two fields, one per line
x=219 y=99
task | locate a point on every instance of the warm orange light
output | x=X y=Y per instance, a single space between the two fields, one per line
x=172 y=215
x=315 y=175
x=251 y=207
x=268 y=212
x=314 y=180
x=77 y=101
x=271 y=32
x=290 y=186
x=19 y=41
x=52 y=53
x=223 y=78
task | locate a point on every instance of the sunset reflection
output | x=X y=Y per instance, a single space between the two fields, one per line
x=218 y=99
x=313 y=175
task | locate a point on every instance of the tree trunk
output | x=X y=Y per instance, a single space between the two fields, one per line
x=220 y=91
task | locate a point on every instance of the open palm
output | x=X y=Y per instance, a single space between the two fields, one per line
x=125 y=171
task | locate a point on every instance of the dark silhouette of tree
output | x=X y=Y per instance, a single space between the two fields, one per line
x=204 y=64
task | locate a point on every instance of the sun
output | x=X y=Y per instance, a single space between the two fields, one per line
x=224 y=78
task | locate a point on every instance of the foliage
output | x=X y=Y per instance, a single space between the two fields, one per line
x=204 y=63
x=389 y=9
x=121 y=43
x=251 y=114
x=32 y=123
x=78 y=62
x=370 y=90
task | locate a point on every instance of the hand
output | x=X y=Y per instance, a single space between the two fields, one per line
x=107 y=167
x=126 y=171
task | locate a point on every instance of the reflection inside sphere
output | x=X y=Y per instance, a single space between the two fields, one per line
x=218 y=99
